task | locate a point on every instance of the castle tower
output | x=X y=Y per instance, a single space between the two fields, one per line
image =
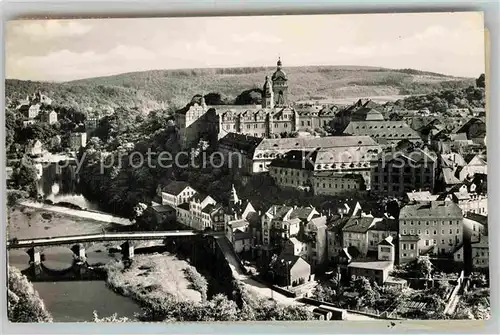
x=267 y=94
x=280 y=86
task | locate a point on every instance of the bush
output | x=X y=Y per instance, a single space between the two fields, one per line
x=14 y=196
x=198 y=282
x=24 y=304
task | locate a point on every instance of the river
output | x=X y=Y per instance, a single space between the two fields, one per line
x=73 y=301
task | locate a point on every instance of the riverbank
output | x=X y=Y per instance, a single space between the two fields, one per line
x=26 y=222
x=84 y=214
x=153 y=277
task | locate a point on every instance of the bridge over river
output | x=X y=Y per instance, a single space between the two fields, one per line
x=34 y=247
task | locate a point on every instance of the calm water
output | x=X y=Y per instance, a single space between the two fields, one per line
x=73 y=301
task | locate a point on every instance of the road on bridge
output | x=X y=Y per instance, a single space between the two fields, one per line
x=104 y=237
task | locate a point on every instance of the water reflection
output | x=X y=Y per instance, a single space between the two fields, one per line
x=60 y=184
x=76 y=300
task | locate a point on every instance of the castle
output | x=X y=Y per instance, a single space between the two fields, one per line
x=274 y=118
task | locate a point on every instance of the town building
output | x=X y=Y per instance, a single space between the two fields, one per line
x=362 y=110
x=342 y=154
x=34 y=148
x=200 y=220
x=49 y=117
x=238 y=152
x=399 y=172
x=377 y=271
x=362 y=234
x=275 y=117
x=77 y=141
x=480 y=253
x=384 y=132
x=302 y=170
x=91 y=124
x=387 y=250
x=238 y=234
x=176 y=193
x=467 y=199
x=288 y=270
x=429 y=227
x=331 y=183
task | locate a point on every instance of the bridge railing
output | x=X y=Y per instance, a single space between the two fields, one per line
x=98 y=237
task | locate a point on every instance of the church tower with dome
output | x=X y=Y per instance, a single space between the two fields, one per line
x=280 y=86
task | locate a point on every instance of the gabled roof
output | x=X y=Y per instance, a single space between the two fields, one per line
x=385 y=224
x=279 y=211
x=409 y=238
x=295 y=241
x=238 y=223
x=388 y=130
x=431 y=209
x=175 y=187
x=319 y=221
x=211 y=208
x=376 y=265
x=387 y=241
x=301 y=212
x=241 y=142
x=358 y=225
x=449 y=176
x=421 y=196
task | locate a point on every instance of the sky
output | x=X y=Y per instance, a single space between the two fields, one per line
x=63 y=50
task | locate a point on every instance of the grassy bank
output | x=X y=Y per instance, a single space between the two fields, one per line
x=154 y=277
x=24 y=222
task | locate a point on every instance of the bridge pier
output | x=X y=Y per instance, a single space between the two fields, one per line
x=35 y=261
x=79 y=251
x=127 y=251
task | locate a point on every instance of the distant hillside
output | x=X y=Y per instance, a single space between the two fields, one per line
x=176 y=87
x=83 y=97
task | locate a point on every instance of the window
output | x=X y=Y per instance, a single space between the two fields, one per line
x=412 y=246
x=451 y=231
x=435 y=232
x=404 y=246
x=419 y=232
x=442 y=231
x=404 y=231
x=442 y=241
x=426 y=243
x=404 y=255
x=412 y=231
x=458 y=231
x=427 y=231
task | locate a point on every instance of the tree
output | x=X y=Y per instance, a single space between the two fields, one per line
x=24 y=304
x=423 y=267
x=249 y=97
x=481 y=81
x=25 y=177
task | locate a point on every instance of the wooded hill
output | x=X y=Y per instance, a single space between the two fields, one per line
x=156 y=89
